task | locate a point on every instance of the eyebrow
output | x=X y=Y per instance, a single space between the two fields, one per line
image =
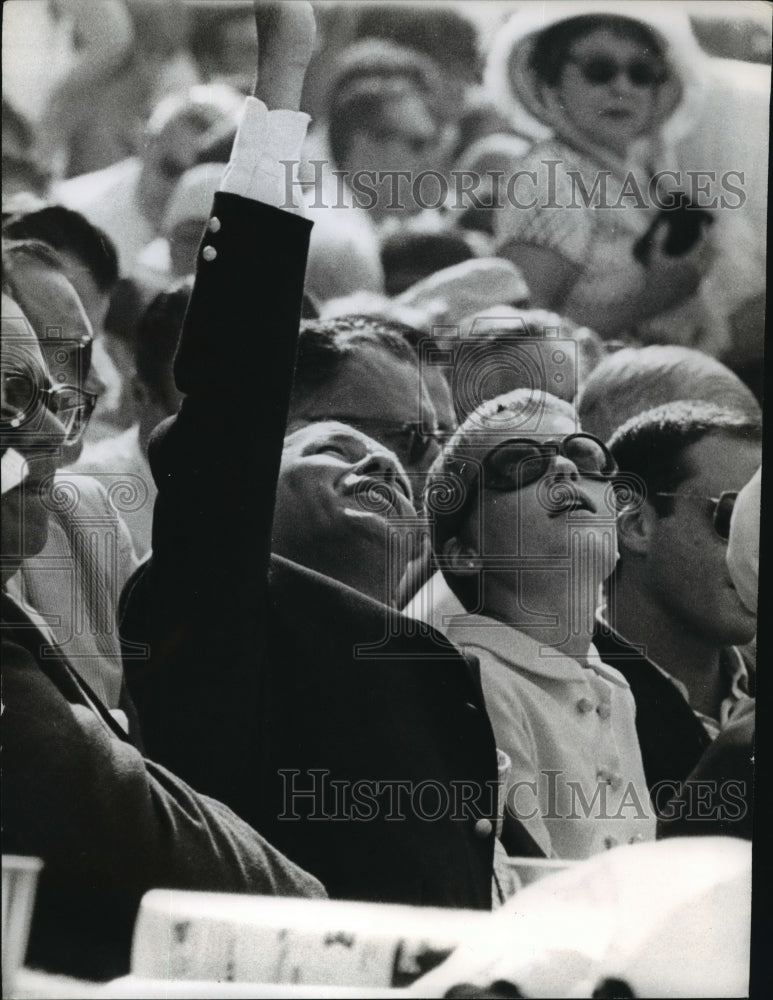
x=334 y=437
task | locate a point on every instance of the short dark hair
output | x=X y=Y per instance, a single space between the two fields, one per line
x=359 y=95
x=551 y=48
x=68 y=231
x=324 y=344
x=650 y=445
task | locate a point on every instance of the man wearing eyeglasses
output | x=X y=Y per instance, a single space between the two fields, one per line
x=363 y=372
x=523 y=506
x=107 y=823
x=673 y=614
x=77 y=576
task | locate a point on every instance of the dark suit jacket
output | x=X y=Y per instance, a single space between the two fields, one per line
x=108 y=824
x=671 y=737
x=254 y=672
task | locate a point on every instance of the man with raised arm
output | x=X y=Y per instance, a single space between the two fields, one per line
x=108 y=823
x=356 y=741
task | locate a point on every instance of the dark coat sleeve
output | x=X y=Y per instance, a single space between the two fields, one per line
x=110 y=825
x=200 y=603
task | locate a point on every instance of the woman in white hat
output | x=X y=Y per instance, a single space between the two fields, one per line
x=604 y=95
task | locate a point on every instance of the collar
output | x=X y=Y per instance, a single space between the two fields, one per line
x=437 y=605
x=734 y=672
x=519 y=650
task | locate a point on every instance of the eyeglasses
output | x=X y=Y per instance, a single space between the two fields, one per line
x=409 y=441
x=600 y=70
x=21 y=395
x=721 y=508
x=64 y=356
x=522 y=461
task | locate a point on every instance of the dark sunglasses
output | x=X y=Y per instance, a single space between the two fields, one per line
x=409 y=441
x=21 y=396
x=720 y=508
x=522 y=461
x=600 y=70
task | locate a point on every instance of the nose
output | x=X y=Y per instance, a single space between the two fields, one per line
x=385 y=466
x=621 y=84
x=44 y=435
x=565 y=468
x=379 y=465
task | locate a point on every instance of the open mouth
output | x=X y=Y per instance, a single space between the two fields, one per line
x=379 y=496
x=569 y=502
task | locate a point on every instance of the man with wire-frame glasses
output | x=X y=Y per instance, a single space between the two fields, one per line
x=673 y=614
x=76 y=578
x=77 y=793
x=362 y=371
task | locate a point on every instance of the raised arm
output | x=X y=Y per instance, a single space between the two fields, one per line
x=200 y=605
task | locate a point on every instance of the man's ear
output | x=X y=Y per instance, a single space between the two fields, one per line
x=462 y=557
x=635 y=528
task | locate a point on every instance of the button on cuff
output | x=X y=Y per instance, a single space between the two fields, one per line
x=209 y=253
x=214 y=224
x=483 y=828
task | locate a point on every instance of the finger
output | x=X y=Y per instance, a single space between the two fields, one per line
x=286 y=34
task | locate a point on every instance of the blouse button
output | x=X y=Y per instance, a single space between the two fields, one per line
x=209 y=253
x=584 y=705
x=214 y=224
x=483 y=828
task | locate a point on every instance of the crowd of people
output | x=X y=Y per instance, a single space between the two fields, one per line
x=381 y=452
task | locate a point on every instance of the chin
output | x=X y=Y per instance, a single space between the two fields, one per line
x=734 y=629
